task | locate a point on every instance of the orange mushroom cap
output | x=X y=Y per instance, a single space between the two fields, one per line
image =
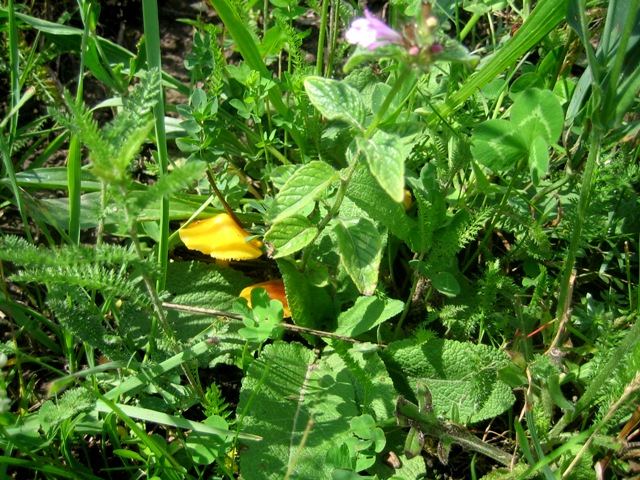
x=275 y=290
x=222 y=238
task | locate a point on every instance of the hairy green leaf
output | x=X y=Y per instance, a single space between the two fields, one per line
x=366 y=193
x=367 y=313
x=302 y=188
x=336 y=100
x=287 y=394
x=374 y=389
x=201 y=285
x=462 y=377
x=360 y=248
x=385 y=157
x=71 y=403
x=290 y=235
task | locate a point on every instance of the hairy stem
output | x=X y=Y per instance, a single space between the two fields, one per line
x=448 y=432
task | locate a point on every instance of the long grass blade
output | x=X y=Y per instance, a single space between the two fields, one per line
x=154 y=61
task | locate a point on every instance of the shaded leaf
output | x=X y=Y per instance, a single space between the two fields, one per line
x=360 y=248
x=498 y=145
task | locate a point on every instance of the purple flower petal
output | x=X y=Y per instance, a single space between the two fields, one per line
x=370 y=32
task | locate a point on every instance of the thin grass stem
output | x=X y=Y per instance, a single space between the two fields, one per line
x=154 y=63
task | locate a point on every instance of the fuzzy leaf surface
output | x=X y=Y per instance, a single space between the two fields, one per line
x=290 y=235
x=366 y=193
x=360 y=248
x=302 y=188
x=462 y=377
x=336 y=100
x=367 y=313
x=385 y=157
x=202 y=285
x=291 y=388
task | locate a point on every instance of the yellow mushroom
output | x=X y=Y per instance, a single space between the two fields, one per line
x=275 y=291
x=222 y=238
x=407 y=200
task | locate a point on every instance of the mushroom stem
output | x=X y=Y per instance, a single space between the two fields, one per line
x=225 y=205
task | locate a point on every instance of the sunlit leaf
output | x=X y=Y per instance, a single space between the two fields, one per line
x=385 y=157
x=538 y=113
x=336 y=100
x=290 y=235
x=302 y=188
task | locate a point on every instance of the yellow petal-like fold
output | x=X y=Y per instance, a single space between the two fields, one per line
x=222 y=238
x=275 y=290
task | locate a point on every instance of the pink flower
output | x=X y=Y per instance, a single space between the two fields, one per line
x=371 y=32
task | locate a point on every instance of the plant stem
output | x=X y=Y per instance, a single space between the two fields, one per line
x=469 y=26
x=600 y=380
x=322 y=36
x=74 y=160
x=448 y=432
x=564 y=300
x=6 y=145
x=380 y=114
x=407 y=305
x=154 y=63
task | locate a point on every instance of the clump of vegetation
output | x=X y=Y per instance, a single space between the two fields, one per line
x=398 y=244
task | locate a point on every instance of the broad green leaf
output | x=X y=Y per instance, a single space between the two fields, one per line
x=336 y=100
x=285 y=392
x=372 y=383
x=367 y=313
x=538 y=113
x=298 y=291
x=360 y=249
x=462 y=377
x=290 y=235
x=498 y=145
x=446 y=283
x=205 y=449
x=302 y=188
x=366 y=193
x=385 y=157
x=538 y=159
x=202 y=285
